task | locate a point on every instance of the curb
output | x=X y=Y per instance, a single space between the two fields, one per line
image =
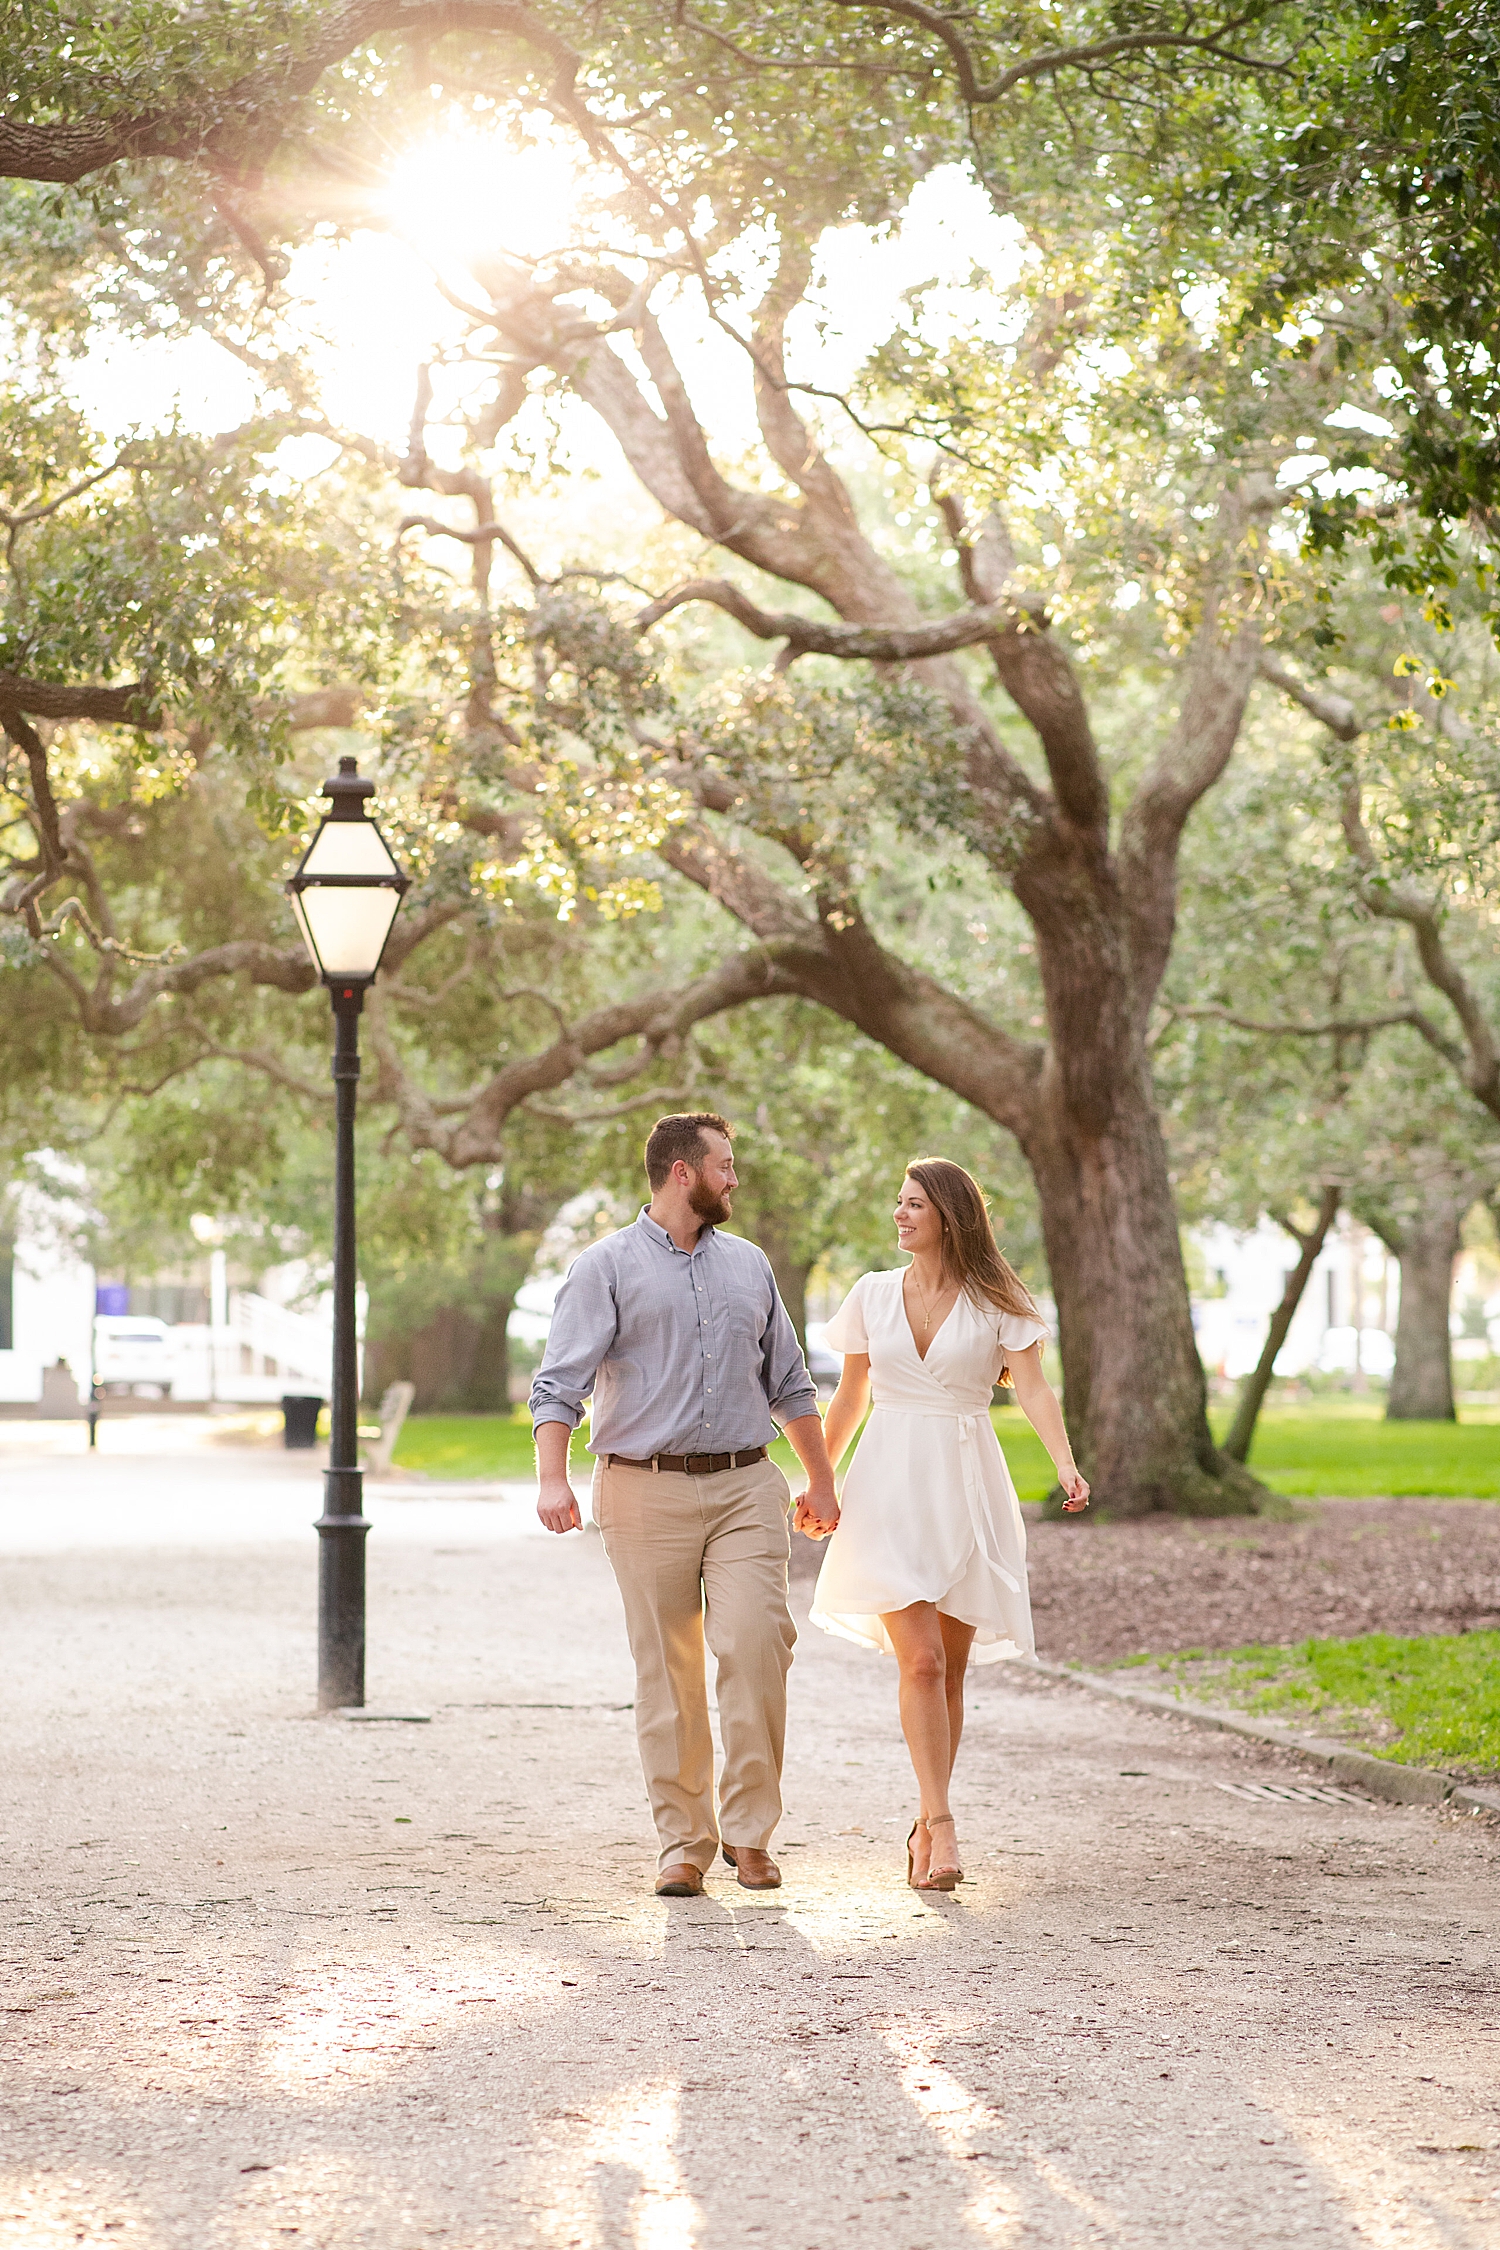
x=1382 y=1777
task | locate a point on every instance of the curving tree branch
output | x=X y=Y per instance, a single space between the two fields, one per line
x=813 y=636
x=1221 y=668
x=1333 y=711
x=1479 y=1065
x=835 y=959
x=472 y=1130
x=980 y=93
x=480 y=536
x=236 y=128
x=1477 y=1061
x=133 y=704
x=1334 y=1027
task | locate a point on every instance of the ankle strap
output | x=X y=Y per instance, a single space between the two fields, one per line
x=929 y=1818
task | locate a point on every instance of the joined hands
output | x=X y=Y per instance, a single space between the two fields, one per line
x=817 y=1518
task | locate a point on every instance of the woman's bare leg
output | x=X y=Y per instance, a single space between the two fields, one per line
x=916 y=1636
x=958 y=1639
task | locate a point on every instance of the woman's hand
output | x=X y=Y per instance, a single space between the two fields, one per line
x=1038 y=1402
x=818 y=1522
x=1076 y=1492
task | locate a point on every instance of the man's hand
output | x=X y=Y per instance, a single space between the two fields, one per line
x=555 y=1502
x=817 y=1511
x=558 y=1506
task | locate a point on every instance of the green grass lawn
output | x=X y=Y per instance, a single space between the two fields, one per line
x=1342 y=1447
x=1429 y=1702
x=468 y=1445
x=1339 y=1447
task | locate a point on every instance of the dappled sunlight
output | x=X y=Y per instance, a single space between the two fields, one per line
x=640 y=1926
x=40 y=2213
x=341 y=2025
x=843 y=1909
x=624 y=2183
x=1389 y=2202
x=960 y=2120
x=1068 y=2191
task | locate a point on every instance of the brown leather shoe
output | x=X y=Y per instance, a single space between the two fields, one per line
x=680 y=1881
x=757 y=1871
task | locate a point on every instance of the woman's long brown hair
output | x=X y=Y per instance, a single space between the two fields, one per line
x=971 y=1255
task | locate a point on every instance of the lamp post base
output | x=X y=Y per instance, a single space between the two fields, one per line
x=341 y=1531
x=386 y=1718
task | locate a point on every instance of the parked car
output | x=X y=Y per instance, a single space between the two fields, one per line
x=824 y=1365
x=132 y=1354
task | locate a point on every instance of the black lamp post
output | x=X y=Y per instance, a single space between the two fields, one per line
x=344 y=894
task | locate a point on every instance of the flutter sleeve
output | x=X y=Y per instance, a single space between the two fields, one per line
x=1015 y=1332
x=847 y=1332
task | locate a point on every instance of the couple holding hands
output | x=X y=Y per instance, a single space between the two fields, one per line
x=678 y=1333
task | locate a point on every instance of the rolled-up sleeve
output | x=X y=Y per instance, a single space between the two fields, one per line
x=584 y=1322
x=790 y=1390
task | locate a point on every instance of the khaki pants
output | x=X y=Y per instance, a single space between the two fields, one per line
x=704 y=1558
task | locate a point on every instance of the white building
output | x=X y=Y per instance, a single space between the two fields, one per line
x=254 y=1347
x=1346 y=1322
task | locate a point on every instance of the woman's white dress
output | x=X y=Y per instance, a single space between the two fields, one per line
x=929 y=1512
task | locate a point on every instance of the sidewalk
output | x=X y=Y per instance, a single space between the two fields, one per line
x=279 y=1980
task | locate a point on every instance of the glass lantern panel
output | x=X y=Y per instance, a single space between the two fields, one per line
x=307 y=936
x=349 y=928
x=348 y=847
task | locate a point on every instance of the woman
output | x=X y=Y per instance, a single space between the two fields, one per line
x=929 y=1558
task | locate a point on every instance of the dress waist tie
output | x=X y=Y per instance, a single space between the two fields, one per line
x=968 y=1454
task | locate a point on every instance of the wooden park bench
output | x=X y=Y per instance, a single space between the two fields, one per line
x=394 y=1408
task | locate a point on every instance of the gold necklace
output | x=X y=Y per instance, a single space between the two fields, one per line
x=921 y=1300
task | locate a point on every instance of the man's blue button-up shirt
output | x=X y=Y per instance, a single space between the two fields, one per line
x=683 y=1351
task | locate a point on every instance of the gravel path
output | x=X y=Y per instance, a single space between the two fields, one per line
x=274 y=1980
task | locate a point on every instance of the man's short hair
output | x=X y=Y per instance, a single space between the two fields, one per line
x=679 y=1140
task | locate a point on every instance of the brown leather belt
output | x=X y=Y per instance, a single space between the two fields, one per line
x=690 y=1464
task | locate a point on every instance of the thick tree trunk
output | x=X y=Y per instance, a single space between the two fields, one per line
x=791 y=1279
x=1258 y=1382
x=1422 y=1380
x=1133 y=1386
x=487 y=1390
x=459 y=1360
x=767 y=1228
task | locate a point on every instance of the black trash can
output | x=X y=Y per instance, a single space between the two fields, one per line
x=301 y=1418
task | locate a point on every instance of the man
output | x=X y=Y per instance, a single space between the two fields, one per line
x=679 y=1333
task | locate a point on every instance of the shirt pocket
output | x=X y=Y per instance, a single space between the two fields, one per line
x=742 y=1316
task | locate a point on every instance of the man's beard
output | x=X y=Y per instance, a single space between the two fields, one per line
x=711 y=1207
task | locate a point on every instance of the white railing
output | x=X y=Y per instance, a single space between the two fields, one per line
x=267 y=1339
x=261 y=1351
